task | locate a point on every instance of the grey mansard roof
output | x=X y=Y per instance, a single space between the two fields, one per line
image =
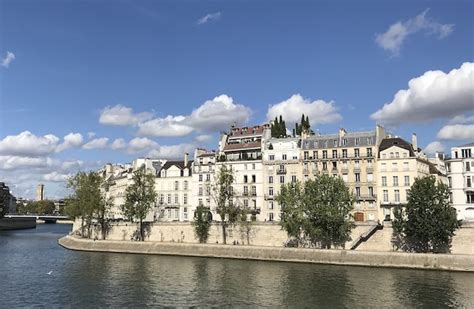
x=396 y=141
x=327 y=141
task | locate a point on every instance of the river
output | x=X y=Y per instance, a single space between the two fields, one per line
x=35 y=271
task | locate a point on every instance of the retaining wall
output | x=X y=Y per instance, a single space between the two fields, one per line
x=339 y=257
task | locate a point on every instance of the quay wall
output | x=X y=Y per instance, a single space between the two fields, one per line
x=338 y=257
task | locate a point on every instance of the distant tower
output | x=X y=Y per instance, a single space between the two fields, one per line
x=40 y=192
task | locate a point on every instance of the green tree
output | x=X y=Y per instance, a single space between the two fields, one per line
x=428 y=222
x=87 y=201
x=278 y=128
x=202 y=224
x=140 y=197
x=317 y=212
x=44 y=207
x=303 y=126
x=223 y=195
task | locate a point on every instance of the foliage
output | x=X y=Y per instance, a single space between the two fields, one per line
x=278 y=128
x=45 y=207
x=223 y=195
x=87 y=201
x=303 y=126
x=140 y=197
x=428 y=222
x=245 y=225
x=316 y=213
x=202 y=224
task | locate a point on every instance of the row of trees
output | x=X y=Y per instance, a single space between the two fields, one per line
x=45 y=207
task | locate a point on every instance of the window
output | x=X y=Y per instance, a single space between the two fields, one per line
x=468 y=167
x=470 y=197
x=394 y=166
x=162 y=198
x=305 y=155
x=450 y=184
x=253 y=166
x=369 y=140
x=356 y=164
x=270 y=179
x=176 y=185
x=270 y=205
x=200 y=177
x=270 y=216
x=200 y=202
x=407 y=181
x=254 y=191
x=344 y=153
x=385 y=195
x=369 y=152
x=254 y=178
x=169 y=198
x=383 y=167
x=271 y=157
x=356 y=152
x=344 y=141
x=245 y=178
x=357 y=177
x=334 y=166
x=270 y=191
x=185 y=185
x=293 y=179
x=397 y=195
x=325 y=154
x=384 y=181
x=468 y=181
x=176 y=199
x=246 y=190
x=325 y=166
x=200 y=191
x=284 y=157
x=369 y=163
x=344 y=177
x=246 y=203
x=357 y=141
x=208 y=177
x=384 y=156
x=315 y=154
x=357 y=191
x=185 y=199
x=371 y=191
x=405 y=166
x=334 y=153
x=370 y=177
x=335 y=143
x=395 y=181
x=282 y=179
x=397 y=154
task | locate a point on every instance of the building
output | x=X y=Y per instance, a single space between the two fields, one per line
x=7 y=200
x=173 y=185
x=281 y=164
x=241 y=150
x=399 y=164
x=40 y=192
x=204 y=166
x=351 y=156
x=460 y=169
x=118 y=177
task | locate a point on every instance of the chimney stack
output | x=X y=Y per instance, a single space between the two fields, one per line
x=414 y=142
x=186 y=157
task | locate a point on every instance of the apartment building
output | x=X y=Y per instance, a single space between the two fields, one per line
x=281 y=164
x=241 y=150
x=351 y=156
x=460 y=169
x=173 y=185
x=204 y=166
x=399 y=164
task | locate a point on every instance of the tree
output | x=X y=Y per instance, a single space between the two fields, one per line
x=278 y=128
x=428 y=222
x=317 y=212
x=44 y=207
x=87 y=201
x=223 y=195
x=303 y=126
x=202 y=224
x=140 y=197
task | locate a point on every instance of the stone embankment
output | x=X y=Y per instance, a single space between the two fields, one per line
x=281 y=254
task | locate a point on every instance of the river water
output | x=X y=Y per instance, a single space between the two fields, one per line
x=36 y=272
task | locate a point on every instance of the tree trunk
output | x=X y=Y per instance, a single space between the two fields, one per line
x=224 y=236
x=82 y=226
x=141 y=230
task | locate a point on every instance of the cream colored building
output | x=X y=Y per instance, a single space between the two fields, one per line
x=461 y=180
x=204 y=166
x=351 y=156
x=399 y=164
x=281 y=164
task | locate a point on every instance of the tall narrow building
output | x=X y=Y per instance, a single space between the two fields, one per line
x=40 y=192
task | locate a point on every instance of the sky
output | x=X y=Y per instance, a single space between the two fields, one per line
x=83 y=83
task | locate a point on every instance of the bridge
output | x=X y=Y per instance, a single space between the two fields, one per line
x=45 y=218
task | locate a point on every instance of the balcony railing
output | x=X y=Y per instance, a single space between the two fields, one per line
x=269 y=197
x=281 y=171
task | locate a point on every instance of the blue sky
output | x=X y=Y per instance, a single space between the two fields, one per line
x=118 y=69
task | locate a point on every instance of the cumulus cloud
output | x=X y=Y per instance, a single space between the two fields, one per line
x=168 y=126
x=434 y=147
x=90 y=134
x=203 y=138
x=9 y=57
x=171 y=151
x=70 y=141
x=461 y=119
x=56 y=177
x=318 y=111
x=19 y=162
x=213 y=115
x=433 y=95
x=140 y=144
x=97 y=143
x=209 y=17
x=393 y=39
x=118 y=143
x=457 y=132
x=120 y=115
x=28 y=145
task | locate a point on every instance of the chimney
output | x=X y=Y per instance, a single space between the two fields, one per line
x=414 y=142
x=186 y=157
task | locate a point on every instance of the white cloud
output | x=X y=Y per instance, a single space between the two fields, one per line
x=8 y=59
x=318 y=112
x=71 y=140
x=171 y=151
x=56 y=177
x=140 y=144
x=208 y=18
x=433 y=95
x=203 y=138
x=457 y=132
x=19 y=162
x=120 y=115
x=461 y=119
x=97 y=143
x=169 y=126
x=28 y=145
x=213 y=115
x=434 y=147
x=118 y=143
x=90 y=134
x=393 y=39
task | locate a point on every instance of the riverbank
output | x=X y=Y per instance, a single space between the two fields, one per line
x=449 y=262
x=8 y=224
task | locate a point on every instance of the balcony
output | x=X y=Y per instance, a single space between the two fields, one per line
x=370 y=169
x=269 y=197
x=253 y=194
x=357 y=168
x=366 y=197
x=281 y=171
x=345 y=170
